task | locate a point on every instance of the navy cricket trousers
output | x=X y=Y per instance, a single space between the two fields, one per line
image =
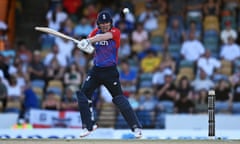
x=107 y=76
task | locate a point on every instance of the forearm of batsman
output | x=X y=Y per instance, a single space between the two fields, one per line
x=101 y=37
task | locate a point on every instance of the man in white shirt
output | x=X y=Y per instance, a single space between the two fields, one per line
x=203 y=82
x=230 y=51
x=227 y=32
x=55 y=53
x=208 y=64
x=192 y=49
x=65 y=47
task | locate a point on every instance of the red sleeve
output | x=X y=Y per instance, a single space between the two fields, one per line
x=116 y=36
x=93 y=33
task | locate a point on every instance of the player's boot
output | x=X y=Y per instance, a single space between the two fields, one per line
x=86 y=132
x=137 y=133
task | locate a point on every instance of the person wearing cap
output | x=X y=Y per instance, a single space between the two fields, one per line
x=227 y=32
x=106 y=40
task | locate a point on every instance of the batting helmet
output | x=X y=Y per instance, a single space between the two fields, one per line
x=104 y=17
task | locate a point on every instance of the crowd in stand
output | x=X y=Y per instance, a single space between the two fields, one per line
x=172 y=53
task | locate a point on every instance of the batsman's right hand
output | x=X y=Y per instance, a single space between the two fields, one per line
x=86 y=46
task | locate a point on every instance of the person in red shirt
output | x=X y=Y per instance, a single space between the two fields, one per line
x=106 y=40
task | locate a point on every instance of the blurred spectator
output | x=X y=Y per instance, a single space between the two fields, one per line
x=184 y=105
x=139 y=34
x=208 y=63
x=4 y=43
x=161 y=7
x=82 y=28
x=54 y=53
x=134 y=100
x=235 y=77
x=55 y=17
x=67 y=27
x=231 y=5
x=13 y=67
x=158 y=76
x=147 y=107
x=201 y=101
x=148 y=18
x=167 y=93
x=24 y=53
x=150 y=62
x=14 y=95
x=202 y=82
x=230 y=51
x=147 y=99
x=223 y=97
x=201 y=85
x=174 y=34
x=236 y=98
x=184 y=88
x=72 y=7
x=168 y=62
x=91 y=12
x=69 y=100
x=3 y=91
x=65 y=47
x=211 y=7
x=73 y=76
x=192 y=27
x=144 y=49
x=192 y=49
x=128 y=77
x=36 y=68
x=51 y=101
x=79 y=58
x=54 y=71
x=130 y=17
x=4 y=66
x=125 y=25
x=125 y=47
x=227 y=32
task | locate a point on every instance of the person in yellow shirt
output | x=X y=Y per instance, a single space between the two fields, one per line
x=150 y=62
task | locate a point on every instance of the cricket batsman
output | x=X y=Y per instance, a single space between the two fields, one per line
x=106 y=40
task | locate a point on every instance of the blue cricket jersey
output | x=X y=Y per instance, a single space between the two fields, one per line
x=106 y=52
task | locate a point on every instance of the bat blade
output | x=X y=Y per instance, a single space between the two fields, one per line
x=56 y=33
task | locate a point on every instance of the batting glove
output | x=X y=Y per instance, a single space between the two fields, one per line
x=85 y=45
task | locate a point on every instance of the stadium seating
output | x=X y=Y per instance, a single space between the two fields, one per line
x=56 y=86
x=39 y=92
x=107 y=115
x=211 y=23
x=13 y=106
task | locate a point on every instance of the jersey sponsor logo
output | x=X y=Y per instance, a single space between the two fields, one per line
x=102 y=43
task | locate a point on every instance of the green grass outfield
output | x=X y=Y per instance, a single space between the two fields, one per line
x=96 y=141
